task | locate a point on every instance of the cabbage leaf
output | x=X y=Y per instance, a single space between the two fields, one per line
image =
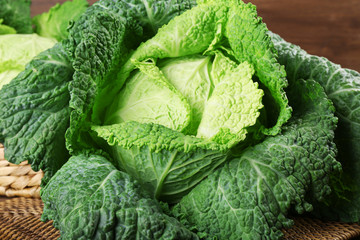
x=35 y=114
x=251 y=195
x=342 y=86
x=90 y=199
x=167 y=163
x=148 y=97
x=190 y=75
x=17 y=50
x=232 y=107
x=54 y=23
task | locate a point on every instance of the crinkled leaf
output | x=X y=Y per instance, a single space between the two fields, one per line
x=88 y=198
x=34 y=112
x=168 y=163
x=250 y=197
x=249 y=40
x=233 y=106
x=342 y=86
x=190 y=75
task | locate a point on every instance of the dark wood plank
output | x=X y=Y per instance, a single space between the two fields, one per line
x=325 y=27
x=40 y=6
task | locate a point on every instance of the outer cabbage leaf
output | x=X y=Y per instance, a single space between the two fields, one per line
x=34 y=112
x=250 y=197
x=342 y=86
x=16 y=14
x=99 y=43
x=17 y=50
x=88 y=198
x=229 y=26
x=249 y=40
x=167 y=163
x=54 y=23
x=4 y=29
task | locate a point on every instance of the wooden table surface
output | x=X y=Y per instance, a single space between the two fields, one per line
x=326 y=28
x=322 y=27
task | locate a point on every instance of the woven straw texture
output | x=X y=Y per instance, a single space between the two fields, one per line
x=308 y=229
x=20 y=219
x=18 y=180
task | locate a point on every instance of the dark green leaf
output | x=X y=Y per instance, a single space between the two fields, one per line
x=343 y=87
x=89 y=198
x=16 y=14
x=34 y=112
x=250 y=197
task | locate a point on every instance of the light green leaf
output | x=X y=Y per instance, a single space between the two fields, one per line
x=4 y=29
x=233 y=106
x=54 y=23
x=147 y=97
x=17 y=50
x=220 y=67
x=190 y=75
x=249 y=40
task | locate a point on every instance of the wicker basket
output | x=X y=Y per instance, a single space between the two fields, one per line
x=18 y=180
x=20 y=215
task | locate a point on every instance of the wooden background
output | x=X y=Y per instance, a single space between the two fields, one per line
x=326 y=28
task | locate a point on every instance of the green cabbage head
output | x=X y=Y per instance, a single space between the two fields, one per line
x=175 y=107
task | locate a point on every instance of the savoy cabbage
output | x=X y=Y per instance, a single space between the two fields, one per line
x=136 y=89
x=177 y=120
